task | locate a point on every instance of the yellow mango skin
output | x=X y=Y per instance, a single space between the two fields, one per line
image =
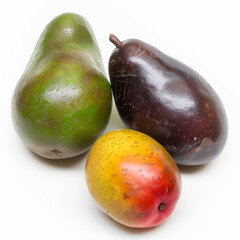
x=130 y=175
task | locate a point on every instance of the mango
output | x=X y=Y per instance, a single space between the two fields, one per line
x=132 y=178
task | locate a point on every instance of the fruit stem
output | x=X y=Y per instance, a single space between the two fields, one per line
x=161 y=207
x=115 y=40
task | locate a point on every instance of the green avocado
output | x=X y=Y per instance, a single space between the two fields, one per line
x=63 y=101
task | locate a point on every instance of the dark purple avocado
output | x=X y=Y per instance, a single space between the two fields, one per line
x=167 y=100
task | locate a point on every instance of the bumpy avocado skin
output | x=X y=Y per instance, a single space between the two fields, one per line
x=62 y=103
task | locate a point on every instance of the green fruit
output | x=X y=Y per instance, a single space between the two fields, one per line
x=62 y=103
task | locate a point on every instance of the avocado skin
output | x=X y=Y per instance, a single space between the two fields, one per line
x=62 y=103
x=167 y=100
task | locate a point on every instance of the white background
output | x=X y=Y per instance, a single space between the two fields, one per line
x=43 y=199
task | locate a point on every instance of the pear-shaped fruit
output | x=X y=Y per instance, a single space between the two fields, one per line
x=62 y=102
x=167 y=100
x=133 y=178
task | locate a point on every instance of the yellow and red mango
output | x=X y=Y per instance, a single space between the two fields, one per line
x=133 y=178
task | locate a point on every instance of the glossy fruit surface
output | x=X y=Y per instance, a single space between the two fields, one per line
x=132 y=178
x=62 y=102
x=167 y=100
